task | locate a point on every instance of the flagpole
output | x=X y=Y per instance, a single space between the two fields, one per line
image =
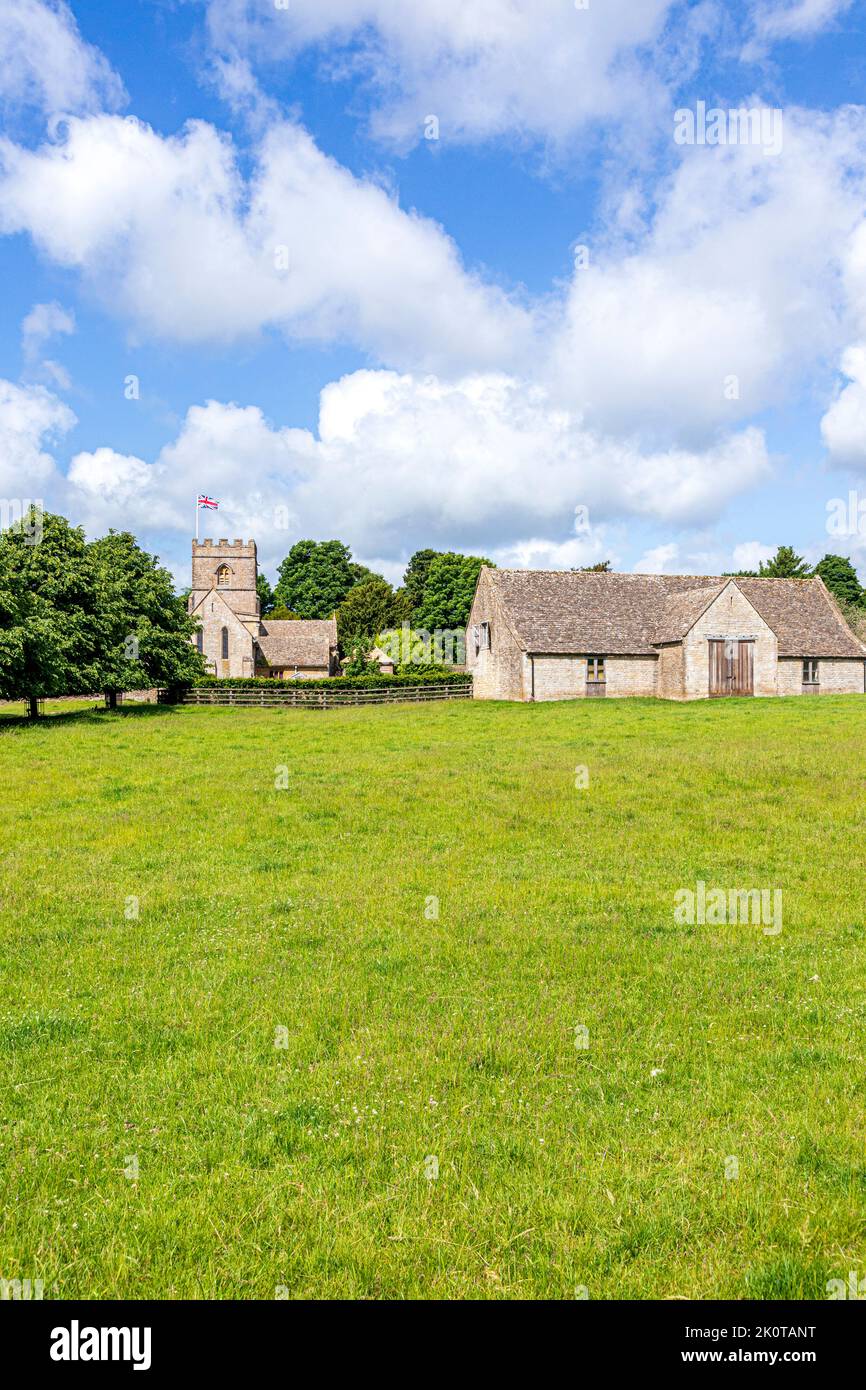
x=197 y=510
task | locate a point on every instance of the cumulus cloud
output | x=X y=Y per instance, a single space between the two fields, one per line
x=744 y=282
x=46 y=66
x=843 y=427
x=750 y=555
x=171 y=234
x=750 y=273
x=31 y=420
x=484 y=463
x=537 y=68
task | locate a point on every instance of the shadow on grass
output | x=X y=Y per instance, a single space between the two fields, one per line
x=96 y=714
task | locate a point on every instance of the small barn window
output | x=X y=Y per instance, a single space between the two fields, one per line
x=224 y=574
x=486 y=637
x=595 y=674
x=810 y=671
x=225 y=639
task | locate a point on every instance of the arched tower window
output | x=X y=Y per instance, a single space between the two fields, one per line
x=199 y=640
x=224 y=575
x=225 y=644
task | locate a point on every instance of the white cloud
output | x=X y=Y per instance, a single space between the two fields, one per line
x=540 y=554
x=171 y=235
x=481 y=464
x=536 y=68
x=750 y=555
x=31 y=418
x=843 y=427
x=46 y=65
x=661 y=559
x=44 y=321
x=744 y=283
x=776 y=20
x=751 y=274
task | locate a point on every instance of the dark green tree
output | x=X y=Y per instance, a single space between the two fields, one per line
x=603 y=567
x=785 y=564
x=282 y=614
x=48 y=608
x=369 y=608
x=266 y=596
x=144 y=634
x=415 y=578
x=448 y=592
x=314 y=578
x=841 y=579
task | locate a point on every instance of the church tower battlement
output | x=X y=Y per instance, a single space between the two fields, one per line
x=230 y=567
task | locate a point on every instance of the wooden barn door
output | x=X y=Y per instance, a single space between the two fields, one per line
x=744 y=669
x=720 y=681
x=732 y=668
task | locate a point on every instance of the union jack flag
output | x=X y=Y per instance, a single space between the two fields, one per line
x=209 y=503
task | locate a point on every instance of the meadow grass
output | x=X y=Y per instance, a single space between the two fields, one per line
x=286 y=1035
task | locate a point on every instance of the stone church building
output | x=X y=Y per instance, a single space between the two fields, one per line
x=234 y=639
x=558 y=635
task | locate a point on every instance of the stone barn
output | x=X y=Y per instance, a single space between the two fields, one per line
x=554 y=635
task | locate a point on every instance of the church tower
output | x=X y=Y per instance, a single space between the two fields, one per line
x=225 y=601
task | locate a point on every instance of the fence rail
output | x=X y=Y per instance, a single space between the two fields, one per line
x=319 y=699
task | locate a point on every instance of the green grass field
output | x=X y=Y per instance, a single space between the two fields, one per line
x=285 y=1036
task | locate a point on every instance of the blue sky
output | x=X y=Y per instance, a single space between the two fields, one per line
x=341 y=327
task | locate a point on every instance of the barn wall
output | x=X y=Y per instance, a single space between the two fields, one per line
x=789 y=677
x=841 y=677
x=564 y=677
x=730 y=615
x=560 y=677
x=631 y=675
x=498 y=673
x=670 y=681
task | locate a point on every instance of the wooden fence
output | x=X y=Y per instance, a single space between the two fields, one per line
x=251 y=698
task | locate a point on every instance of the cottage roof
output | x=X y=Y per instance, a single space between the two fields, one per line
x=558 y=612
x=297 y=642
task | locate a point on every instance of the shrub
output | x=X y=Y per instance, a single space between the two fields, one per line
x=377 y=682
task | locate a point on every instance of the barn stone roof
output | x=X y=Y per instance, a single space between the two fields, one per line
x=559 y=612
x=804 y=617
x=297 y=642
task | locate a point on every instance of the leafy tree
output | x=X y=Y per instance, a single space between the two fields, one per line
x=143 y=630
x=360 y=574
x=415 y=578
x=841 y=579
x=448 y=591
x=785 y=564
x=48 y=602
x=359 y=662
x=282 y=614
x=314 y=578
x=370 y=607
x=266 y=596
x=603 y=567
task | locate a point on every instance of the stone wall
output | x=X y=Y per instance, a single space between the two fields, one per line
x=670 y=680
x=631 y=676
x=730 y=615
x=834 y=677
x=498 y=673
x=214 y=616
x=559 y=677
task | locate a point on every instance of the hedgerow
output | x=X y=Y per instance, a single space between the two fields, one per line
x=334 y=683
